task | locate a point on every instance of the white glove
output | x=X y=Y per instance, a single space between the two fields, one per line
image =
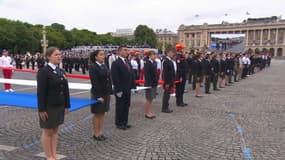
x=119 y=94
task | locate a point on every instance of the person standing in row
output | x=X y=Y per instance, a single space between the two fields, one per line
x=168 y=78
x=123 y=81
x=222 y=71
x=151 y=80
x=208 y=73
x=101 y=89
x=6 y=64
x=182 y=68
x=216 y=70
x=197 y=73
x=53 y=101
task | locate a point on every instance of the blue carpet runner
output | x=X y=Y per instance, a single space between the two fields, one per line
x=29 y=100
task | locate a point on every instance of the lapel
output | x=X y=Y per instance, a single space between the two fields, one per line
x=123 y=63
x=52 y=70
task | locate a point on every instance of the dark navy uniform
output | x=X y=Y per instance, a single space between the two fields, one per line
x=197 y=72
x=208 y=68
x=53 y=95
x=182 y=69
x=190 y=61
x=168 y=77
x=216 y=70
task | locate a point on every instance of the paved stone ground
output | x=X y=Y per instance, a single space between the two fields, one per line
x=243 y=121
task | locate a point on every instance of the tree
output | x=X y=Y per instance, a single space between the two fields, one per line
x=145 y=36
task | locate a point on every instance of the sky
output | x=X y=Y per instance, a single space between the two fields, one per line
x=104 y=16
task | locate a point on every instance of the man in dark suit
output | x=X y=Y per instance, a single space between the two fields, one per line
x=208 y=73
x=123 y=81
x=168 y=78
x=216 y=70
x=182 y=68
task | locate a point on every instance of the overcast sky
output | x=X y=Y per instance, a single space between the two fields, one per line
x=104 y=16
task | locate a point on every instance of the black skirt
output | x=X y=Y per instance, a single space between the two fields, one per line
x=100 y=107
x=55 y=117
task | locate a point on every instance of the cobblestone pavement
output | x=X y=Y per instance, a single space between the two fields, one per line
x=243 y=121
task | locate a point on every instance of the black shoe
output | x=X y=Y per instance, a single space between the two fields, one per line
x=99 y=138
x=128 y=126
x=122 y=127
x=208 y=92
x=167 y=111
x=149 y=117
x=198 y=96
x=216 y=89
x=185 y=104
x=180 y=105
x=104 y=137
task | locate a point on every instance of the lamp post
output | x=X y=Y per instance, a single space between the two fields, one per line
x=44 y=41
x=163 y=42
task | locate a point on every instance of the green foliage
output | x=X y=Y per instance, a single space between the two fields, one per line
x=166 y=45
x=145 y=36
x=20 y=37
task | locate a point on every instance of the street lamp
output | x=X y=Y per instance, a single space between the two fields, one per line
x=163 y=41
x=44 y=41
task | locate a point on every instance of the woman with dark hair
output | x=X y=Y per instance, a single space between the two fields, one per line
x=53 y=101
x=101 y=89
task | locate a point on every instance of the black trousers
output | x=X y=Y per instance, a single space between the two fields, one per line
x=70 y=69
x=231 y=76
x=33 y=65
x=215 y=80
x=65 y=66
x=28 y=64
x=122 y=109
x=83 y=69
x=194 y=82
x=190 y=77
x=207 y=83
x=165 y=99
x=179 y=91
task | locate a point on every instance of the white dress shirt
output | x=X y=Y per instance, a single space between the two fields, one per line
x=6 y=61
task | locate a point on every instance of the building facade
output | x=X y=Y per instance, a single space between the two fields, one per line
x=261 y=34
x=166 y=36
x=126 y=32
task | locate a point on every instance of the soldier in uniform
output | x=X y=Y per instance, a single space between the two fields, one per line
x=18 y=61
x=236 y=67
x=82 y=65
x=216 y=71
x=64 y=63
x=182 y=69
x=33 y=60
x=28 y=59
x=168 y=77
x=40 y=61
x=222 y=71
x=70 y=64
x=208 y=73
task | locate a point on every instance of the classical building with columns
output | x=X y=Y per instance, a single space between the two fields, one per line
x=261 y=34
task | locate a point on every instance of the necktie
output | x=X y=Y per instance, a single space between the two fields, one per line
x=57 y=69
x=127 y=65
